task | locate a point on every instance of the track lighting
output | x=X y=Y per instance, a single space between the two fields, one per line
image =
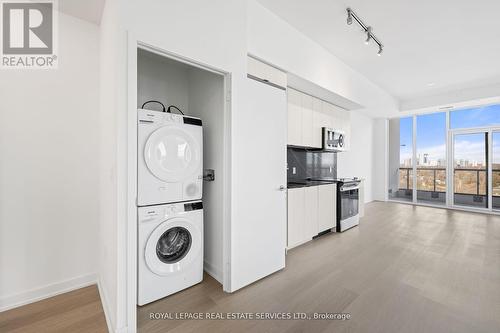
x=368 y=30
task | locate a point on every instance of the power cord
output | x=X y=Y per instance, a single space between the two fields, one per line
x=175 y=107
x=163 y=106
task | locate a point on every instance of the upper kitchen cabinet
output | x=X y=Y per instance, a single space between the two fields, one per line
x=341 y=121
x=294 y=118
x=300 y=119
x=307 y=115
x=320 y=120
x=265 y=73
x=307 y=120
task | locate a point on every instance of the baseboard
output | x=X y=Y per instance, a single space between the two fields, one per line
x=105 y=306
x=38 y=294
x=213 y=272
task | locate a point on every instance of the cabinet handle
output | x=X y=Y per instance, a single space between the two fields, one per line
x=282 y=188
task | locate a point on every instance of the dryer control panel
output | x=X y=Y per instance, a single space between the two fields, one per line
x=158 y=117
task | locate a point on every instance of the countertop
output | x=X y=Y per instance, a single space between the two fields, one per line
x=308 y=183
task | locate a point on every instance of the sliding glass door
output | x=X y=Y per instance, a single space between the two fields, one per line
x=470 y=169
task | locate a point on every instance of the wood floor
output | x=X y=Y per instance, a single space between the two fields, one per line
x=76 y=311
x=404 y=269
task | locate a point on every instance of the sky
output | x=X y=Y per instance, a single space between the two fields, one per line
x=431 y=133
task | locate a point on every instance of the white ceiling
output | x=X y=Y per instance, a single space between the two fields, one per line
x=88 y=10
x=451 y=44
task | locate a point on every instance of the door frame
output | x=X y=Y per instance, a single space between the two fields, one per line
x=489 y=167
x=133 y=44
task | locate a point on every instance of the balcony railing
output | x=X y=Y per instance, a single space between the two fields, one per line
x=474 y=181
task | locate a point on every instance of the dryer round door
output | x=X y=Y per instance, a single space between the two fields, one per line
x=172 y=246
x=172 y=154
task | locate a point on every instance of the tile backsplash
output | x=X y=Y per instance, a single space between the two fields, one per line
x=303 y=164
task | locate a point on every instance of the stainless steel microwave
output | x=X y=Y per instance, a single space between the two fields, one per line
x=333 y=140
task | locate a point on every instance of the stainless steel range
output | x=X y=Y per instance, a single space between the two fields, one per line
x=347 y=203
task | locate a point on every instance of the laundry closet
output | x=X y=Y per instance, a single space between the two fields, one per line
x=181 y=140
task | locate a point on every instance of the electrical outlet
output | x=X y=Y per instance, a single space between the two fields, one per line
x=294 y=170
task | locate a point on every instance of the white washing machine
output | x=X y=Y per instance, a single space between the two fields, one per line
x=170 y=249
x=169 y=158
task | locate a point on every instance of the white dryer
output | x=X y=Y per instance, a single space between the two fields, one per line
x=170 y=249
x=169 y=158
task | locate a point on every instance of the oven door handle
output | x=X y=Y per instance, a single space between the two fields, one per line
x=348 y=188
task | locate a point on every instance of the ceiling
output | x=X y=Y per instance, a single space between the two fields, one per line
x=88 y=10
x=430 y=47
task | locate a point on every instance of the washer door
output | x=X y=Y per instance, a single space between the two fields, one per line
x=172 y=154
x=172 y=246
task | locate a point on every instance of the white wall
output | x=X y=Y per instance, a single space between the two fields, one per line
x=49 y=170
x=206 y=101
x=111 y=242
x=162 y=80
x=358 y=161
x=379 y=162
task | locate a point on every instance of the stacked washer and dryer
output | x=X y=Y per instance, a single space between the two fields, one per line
x=170 y=210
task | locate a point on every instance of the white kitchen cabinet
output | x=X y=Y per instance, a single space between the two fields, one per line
x=307 y=120
x=320 y=120
x=296 y=217
x=340 y=120
x=311 y=208
x=327 y=207
x=307 y=115
x=302 y=215
x=261 y=71
x=294 y=118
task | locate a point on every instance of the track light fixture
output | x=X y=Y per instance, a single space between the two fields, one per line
x=349 y=16
x=368 y=30
x=368 y=35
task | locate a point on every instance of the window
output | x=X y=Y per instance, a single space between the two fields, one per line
x=431 y=158
x=448 y=162
x=475 y=117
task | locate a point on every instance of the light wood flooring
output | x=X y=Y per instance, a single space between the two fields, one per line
x=75 y=312
x=404 y=269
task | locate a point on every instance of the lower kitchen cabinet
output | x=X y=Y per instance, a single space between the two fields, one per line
x=311 y=207
x=311 y=210
x=327 y=207
x=296 y=217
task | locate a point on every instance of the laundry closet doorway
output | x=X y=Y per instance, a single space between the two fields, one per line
x=196 y=90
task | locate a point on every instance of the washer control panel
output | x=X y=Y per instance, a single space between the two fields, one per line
x=153 y=213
